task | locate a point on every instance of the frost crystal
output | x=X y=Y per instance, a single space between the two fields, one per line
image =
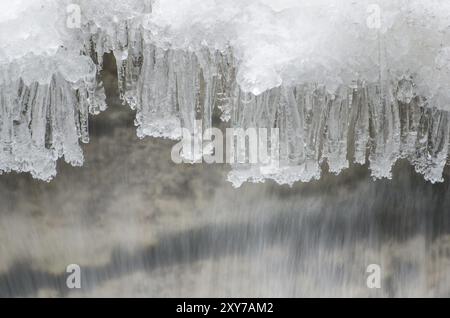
x=344 y=81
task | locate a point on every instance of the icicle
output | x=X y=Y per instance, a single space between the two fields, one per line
x=363 y=92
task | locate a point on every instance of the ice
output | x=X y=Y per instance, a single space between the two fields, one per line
x=344 y=81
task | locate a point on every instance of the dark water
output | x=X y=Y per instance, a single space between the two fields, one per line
x=139 y=225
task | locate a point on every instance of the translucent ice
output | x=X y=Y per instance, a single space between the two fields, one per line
x=46 y=88
x=344 y=81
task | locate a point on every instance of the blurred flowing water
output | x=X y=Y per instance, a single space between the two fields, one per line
x=139 y=225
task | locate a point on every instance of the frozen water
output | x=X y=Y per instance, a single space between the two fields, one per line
x=344 y=81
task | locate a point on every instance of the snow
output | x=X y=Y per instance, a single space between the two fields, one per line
x=333 y=75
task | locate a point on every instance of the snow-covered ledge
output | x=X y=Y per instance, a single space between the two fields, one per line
x=342 y=80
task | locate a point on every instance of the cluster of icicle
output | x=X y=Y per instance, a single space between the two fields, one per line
x=326 y=109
